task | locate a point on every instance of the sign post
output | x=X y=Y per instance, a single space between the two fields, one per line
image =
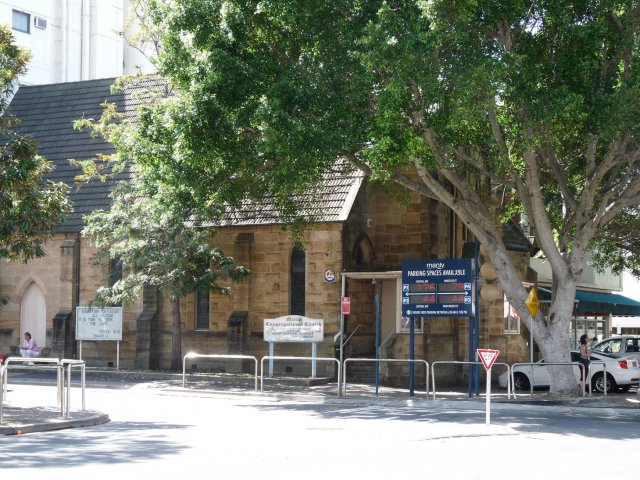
x=346 y=306
x=97 y=324
x=488 y=357
x=533 y=303
x=436 y=288
x=294 y=329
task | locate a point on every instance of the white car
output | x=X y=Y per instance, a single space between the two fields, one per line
x=622 y=373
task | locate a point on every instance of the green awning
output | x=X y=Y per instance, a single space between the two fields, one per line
x=613 y=303
x=594 y=303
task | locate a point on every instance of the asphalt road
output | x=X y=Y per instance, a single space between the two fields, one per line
x=158 y=432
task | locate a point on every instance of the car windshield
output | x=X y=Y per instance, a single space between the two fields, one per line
x=603 y=355
x=609 y=346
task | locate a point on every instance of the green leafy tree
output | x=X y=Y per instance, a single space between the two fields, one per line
x=158 y=247
x=153 y=227
x=29 y=205
x=494 y=107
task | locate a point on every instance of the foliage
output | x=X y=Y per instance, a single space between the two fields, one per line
x=29 y=205
x=157 y=247
x=153 y=227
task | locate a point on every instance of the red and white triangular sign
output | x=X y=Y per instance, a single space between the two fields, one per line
x=487 y=356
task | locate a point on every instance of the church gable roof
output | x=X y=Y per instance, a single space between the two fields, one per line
x=47 y=113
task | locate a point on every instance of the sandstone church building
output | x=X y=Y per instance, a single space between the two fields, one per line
x=362 y=235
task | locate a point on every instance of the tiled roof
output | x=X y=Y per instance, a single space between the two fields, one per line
x=47 y=113
x=330 y=201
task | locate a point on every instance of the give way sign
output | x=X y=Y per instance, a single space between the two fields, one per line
x=487 y=356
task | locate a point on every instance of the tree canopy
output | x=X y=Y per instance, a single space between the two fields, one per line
x=496 y=108
x=29 y=205
x=153 y=226
x=157 y=247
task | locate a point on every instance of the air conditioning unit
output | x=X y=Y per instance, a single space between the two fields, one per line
x=40 y=22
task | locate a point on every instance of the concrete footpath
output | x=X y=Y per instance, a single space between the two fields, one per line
x=20 y=415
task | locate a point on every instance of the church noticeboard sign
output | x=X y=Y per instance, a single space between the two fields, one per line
x=93 y=323
x=437 y=288
x=293 y=329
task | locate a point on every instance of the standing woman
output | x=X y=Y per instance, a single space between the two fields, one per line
x=585 y=359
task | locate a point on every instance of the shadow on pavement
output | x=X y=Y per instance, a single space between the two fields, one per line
x=129 y=447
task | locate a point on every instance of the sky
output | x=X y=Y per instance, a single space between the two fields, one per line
x=630 y=287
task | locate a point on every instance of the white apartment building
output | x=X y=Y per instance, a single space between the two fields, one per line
x=72 y=40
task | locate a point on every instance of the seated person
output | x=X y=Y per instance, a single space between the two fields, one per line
x=29 y=347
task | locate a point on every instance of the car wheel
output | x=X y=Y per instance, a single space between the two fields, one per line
x=597 y=383
x=521 y=381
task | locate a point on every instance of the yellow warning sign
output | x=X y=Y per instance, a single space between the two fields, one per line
x=532 y=302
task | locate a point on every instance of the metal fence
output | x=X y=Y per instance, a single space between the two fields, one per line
x=390 y=360
x=430 y=370
x=222 y=357
x=586 y=384
x=306 y=359
x=454 y=362
x=63 y=379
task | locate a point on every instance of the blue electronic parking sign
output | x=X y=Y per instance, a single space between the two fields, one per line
x=437 y=288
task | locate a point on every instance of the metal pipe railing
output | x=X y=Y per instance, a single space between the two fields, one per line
x=25 y=363
x=604 y=376
x=586 y=375
x=540 y=364
x=69 y=363
x=454 y=362
x=274 y=357
x=390 y=360
x=222 y=357
x=352 y=333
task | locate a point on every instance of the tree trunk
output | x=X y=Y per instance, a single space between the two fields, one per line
x=554 y=344
x=550 y=334
x=176 y=335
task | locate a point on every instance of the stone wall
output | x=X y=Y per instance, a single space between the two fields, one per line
x=266 y=251
x=379 y=234
x=416 y=227
x=104 y=353
x=53 y=274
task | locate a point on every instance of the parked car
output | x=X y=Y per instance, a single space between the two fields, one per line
x=618 y=345
x=622 y=373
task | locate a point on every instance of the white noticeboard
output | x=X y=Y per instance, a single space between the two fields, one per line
x=293 y=328
x=96 y=324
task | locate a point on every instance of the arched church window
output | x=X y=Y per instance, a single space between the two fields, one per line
x=298 y=274
x=363 y=252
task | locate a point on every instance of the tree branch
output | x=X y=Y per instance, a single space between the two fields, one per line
x=548 y=154
x=538 y=213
